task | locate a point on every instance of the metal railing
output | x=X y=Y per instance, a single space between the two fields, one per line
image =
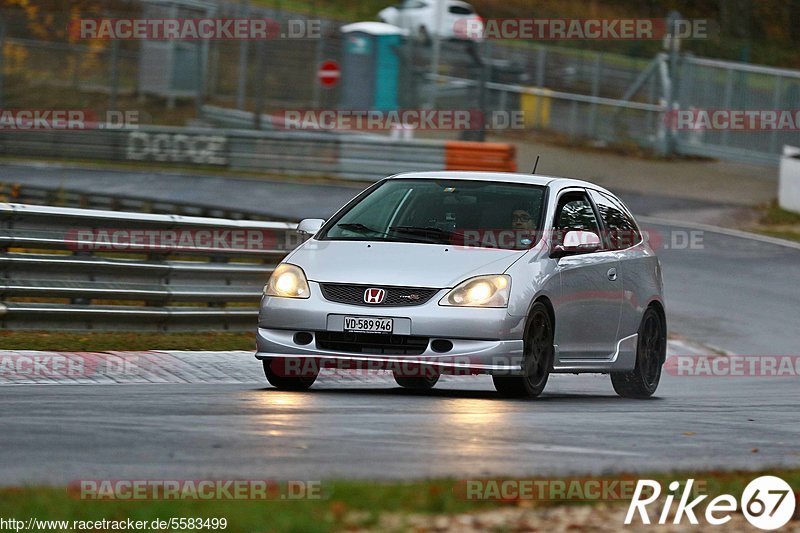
x=77 y=269
x=615 y=120
x=23 y=193
x=709 y=84
x=275 y=152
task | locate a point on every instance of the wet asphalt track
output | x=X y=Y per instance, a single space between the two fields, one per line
x=54 y=434
x=737 y=294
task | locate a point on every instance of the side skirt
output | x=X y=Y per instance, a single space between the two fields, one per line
x=623 y=359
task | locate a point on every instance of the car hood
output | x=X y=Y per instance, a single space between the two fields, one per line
x=398 y=263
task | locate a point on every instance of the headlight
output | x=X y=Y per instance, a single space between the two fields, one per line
x=287 y=281
x=482 y=291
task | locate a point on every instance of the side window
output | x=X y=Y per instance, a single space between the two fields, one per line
x=573 y=213
x=459 y=10
x=622 y=230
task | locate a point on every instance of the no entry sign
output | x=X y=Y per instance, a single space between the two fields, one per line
x=328 y=73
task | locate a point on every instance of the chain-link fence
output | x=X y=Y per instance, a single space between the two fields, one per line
x=231 y=69
x=579 y=94
x=722 y=85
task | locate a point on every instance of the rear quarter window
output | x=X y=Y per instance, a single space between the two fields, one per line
x=620 y=227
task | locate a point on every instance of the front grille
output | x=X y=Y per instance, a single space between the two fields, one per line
x=371 y=343
x=395 y=296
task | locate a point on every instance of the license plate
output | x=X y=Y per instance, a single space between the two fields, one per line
x=368 y=324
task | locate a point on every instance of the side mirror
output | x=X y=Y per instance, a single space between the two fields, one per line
x=309 y=226
x=577 y=242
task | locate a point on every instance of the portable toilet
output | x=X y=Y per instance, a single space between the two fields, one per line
x=174 y=68
x=370 y=65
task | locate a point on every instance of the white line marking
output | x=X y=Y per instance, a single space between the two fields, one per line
x=572 y=449
x=718 y=229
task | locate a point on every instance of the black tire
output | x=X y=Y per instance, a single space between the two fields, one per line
x=651 y=350
x=416 y=382
x=537 y=358
x=289 y=383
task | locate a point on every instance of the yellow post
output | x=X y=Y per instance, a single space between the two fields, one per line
x=535 y=109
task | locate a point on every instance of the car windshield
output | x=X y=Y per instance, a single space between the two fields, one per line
x=444 y=211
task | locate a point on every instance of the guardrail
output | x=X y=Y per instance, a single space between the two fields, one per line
x=23 y=193
x=276 y=152
x=226 y=117
x=75 y=269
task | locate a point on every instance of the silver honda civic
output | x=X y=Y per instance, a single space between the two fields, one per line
x=512 y=275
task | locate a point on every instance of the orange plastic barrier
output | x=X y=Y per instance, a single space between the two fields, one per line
x=465 y=155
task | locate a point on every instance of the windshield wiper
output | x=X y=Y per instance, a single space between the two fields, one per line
x=360 y=228
x=366 y=230
x=427 y=231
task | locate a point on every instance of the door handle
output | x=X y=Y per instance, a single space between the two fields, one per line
x=612 y=274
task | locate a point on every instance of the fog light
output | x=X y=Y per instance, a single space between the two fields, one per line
x=441 y=345
x=303 y=337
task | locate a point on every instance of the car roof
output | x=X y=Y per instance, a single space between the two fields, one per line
x=554 y=182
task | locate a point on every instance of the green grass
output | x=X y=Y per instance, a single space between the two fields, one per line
x=775 y=215
x=123 y=341
x=779 y=234
x=327 y=514
x=777 y=222
x=344 y=504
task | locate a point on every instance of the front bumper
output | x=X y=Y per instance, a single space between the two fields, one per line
x=466 y=356
x=483 y=340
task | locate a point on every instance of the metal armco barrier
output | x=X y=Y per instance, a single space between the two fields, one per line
x=276 y=152
x=78 y=269
x=23 y=193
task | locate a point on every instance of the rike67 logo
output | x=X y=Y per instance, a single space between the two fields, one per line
x=767 y=502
